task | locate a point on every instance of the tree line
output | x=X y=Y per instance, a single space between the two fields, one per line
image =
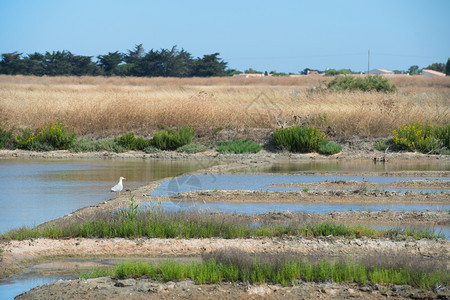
x=136 y=62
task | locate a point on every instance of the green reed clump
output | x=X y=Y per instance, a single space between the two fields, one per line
x=303 y=139
x=192 y=148
x=239 y=146
x=53 y=136
x=172 y=139
x=425 y=138
x=286 y=273
x=374 y=83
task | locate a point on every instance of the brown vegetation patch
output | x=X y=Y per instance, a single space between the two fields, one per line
x=104 y=107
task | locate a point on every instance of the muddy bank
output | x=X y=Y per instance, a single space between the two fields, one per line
x=109 y=288
x=347 y=153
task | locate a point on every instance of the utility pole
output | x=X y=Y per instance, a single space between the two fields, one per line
x=368 y=63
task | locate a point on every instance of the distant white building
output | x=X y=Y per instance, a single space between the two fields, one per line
x=248 y=75
x=426 y=72
x=381 y=72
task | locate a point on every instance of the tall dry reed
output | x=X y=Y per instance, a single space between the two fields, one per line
x=103 y=107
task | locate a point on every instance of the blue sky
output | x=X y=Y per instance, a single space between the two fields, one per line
x=286 y=36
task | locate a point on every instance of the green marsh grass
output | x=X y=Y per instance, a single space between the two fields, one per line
x=192 y=148
x=154 y=222
x=285 y=272
x=239 y=146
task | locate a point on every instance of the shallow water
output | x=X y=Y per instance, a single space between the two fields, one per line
x=14 y=286
x=253 y=182
x=287 y=166
x=312 y=208
x=36 y=191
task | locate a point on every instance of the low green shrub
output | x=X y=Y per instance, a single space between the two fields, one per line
x=380 y=145
x=299 y=138
x=365 y=84
x=151 y=149
x=54 y=136
x=86 y=145
x=421 y=137
x=130 y=142
x=172 y=139
x=239 y=146
x=192 y=148
x=329 y=148
x=6 y=139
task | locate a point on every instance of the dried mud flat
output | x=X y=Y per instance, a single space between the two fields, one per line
x=17 y=254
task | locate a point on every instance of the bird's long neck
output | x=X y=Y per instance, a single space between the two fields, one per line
x=120 y=181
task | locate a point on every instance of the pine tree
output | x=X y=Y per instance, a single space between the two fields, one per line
x=447 y=68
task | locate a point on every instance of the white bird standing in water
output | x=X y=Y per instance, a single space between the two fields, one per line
x=118 y=187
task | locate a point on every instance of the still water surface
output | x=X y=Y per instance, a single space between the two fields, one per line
x=36 y=191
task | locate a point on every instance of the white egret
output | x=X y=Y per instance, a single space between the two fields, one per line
x=118 y=187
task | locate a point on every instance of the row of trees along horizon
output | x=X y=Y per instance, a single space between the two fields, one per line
x=136 y=62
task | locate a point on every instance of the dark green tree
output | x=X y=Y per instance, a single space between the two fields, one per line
x=413 y=70
x=83 y=65
x=34 y=64
x=209 y=65
x=58 y=63
x=440 y=67
x=447 y=68
x=109 y=62
x=134 y=55
x=12 y=64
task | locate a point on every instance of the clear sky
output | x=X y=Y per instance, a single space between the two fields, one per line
x=283 y=35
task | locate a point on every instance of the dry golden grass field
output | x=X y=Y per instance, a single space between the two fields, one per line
x=103 y=107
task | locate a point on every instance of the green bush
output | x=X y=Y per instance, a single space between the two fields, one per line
x=54 y=136
x=299 y=138
x=192 y=148
x=239 y=146
x=172 y=139
x=365 y=84
x=422 y=138
x=329 y=148
x=6 y=139
x=130 y=142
